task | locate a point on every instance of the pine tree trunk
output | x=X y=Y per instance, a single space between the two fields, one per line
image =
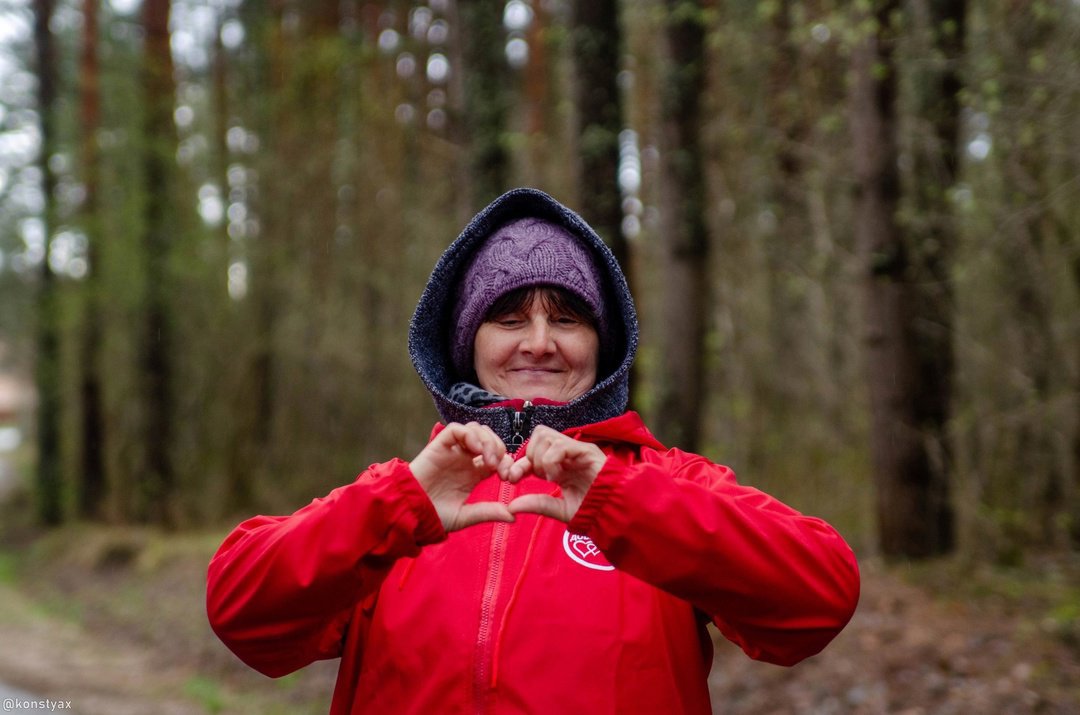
x=686 y=244
x=933 y=234
x=913 y=511
x=158 y=86
x=49 y=477
x=597 y=49
x=487 y=99
x=596 y=40
x=92 y=485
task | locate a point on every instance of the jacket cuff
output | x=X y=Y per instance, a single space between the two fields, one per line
x=429 y=528
x=597 y=498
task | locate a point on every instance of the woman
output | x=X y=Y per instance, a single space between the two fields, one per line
x=544 y=553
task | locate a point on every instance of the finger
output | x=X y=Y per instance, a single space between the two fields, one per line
x=545 y=450
x=480 y=512
x=490 y=446
x=476 y=440
x=551 y=463
x=504 y=465
x=540 y=438
x=543 y=504
x=518 y=470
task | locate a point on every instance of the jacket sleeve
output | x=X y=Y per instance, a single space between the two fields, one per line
x=281 y=590
x=778 y=584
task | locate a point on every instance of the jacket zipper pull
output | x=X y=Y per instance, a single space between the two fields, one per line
x=519 y=425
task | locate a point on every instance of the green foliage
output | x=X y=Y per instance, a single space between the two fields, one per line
x=206 y=693
x=8 y=568
x=336 y=196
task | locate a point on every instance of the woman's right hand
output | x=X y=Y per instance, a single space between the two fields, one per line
x=451 y=466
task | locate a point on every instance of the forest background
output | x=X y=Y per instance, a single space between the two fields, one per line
x=852 y=228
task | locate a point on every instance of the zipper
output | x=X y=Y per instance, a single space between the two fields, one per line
x=519 y=425
x=520 y=422
x=496 y=557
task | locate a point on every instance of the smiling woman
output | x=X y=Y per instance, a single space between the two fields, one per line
x=542 y=528
x=536 y=344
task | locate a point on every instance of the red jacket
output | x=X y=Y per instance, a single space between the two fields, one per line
x=607 y=615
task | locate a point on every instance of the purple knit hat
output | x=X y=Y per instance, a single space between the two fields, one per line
x=525 y=252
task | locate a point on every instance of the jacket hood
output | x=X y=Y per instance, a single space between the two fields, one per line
x=429 y=331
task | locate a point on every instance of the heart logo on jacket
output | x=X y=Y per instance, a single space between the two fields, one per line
x=582 y=550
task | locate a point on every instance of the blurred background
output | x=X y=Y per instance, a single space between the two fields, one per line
x=852 y=229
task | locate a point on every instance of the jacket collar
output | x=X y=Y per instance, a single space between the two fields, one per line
x=627 y=428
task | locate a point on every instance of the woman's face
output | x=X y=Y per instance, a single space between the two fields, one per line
x=536 y=351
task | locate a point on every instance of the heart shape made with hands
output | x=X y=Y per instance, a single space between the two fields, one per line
x=461 y=456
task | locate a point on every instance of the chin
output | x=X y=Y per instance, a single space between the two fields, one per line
x=532 y=393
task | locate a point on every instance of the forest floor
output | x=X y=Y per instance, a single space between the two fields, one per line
x=113 y=621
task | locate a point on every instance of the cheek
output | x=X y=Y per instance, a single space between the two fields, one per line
x=587 y=353
x=488 y=350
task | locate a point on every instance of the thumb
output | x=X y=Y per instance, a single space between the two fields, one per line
x=480 y=512
x=543 y=504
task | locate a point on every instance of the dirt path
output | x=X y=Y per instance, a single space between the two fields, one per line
x=910 y=653
x=59 y=660
x=906 y=652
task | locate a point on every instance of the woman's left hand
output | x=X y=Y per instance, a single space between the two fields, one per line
x=562 y=460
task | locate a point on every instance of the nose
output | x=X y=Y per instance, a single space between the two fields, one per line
x=538 y=339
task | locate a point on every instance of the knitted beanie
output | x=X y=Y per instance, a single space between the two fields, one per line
x=525 y=252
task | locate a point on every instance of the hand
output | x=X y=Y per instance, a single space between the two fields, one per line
x=562 y=460
x=450 y=467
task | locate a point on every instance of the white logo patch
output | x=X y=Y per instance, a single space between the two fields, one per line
x=582 y=550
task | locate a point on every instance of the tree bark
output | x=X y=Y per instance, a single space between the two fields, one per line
x=49 y=478
x=597 y=50
x=93 y=491
x=686 y=243
x=487 y=98
x=912 y=497
x=596 y=40
x=159 y=233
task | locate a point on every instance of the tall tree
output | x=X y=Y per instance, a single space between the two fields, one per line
x=92 y=487
x=932 y=238
x=159 y=236
x=597 y=49
x=685 y=236
x=49 y=491
x=487 y=97
x=913 y=510
x=252 y=448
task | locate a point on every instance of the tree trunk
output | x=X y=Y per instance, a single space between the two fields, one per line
x=596 y=40
x=49 y=481
x=686 y=244
x=913 y=510
x=487 y=98
x=92 y=486
x=597 y=49
x=1074 y=506
x=933 y=235
x=159 y=234
x=789 y=248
